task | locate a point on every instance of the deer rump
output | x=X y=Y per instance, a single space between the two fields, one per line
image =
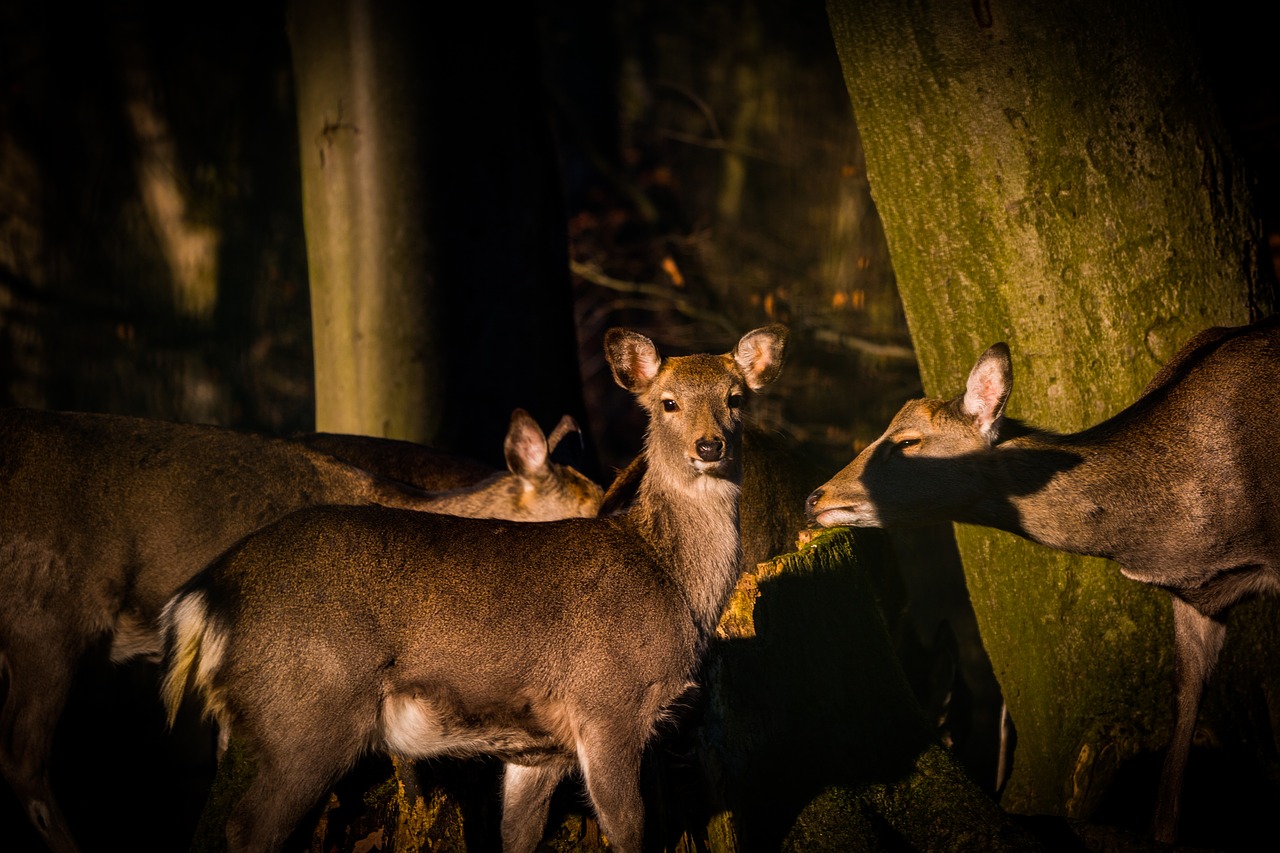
x=473 y=648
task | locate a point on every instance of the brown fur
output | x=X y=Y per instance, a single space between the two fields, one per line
x=1181 y=489
x=103 y=517
x=551 y=646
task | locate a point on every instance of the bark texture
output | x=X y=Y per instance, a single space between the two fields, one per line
x=1055 y=176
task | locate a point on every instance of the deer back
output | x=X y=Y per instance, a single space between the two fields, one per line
x=1178 y=487
x=564 y=612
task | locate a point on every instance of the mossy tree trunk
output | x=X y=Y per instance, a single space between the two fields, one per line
x=1055 y=176
x=434 y=223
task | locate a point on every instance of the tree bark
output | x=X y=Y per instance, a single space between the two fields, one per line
x=435 y=228
x=1056 y=176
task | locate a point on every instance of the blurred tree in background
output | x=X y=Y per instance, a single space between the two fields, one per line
x=716 y=183
x=152 y=257
x=435 y=223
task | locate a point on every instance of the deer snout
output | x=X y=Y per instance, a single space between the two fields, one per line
x=841 y=504
x=710 y=449
x=811 y=506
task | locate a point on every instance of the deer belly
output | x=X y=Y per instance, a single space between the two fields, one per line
x=418 y=724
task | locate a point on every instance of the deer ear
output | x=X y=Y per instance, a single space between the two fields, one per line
x=988 y=390
x=525 y=447
x=759 y=354
x=633 y=359
x=567 y=425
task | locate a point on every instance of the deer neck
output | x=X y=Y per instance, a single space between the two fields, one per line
x=476 y=500
x=1055 y=490
x=691 y=522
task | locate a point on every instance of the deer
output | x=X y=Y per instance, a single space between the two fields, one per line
x=105 y=516
x=438 y=470
x=533 y=488
x=554 y=647
x=776 y=478
x=1180 y=489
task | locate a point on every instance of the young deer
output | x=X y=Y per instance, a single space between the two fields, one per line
x=776 y=479
x=438 y=470
x=533 y=488
x=1181 y=489
x=337 y=631
x=105 y=516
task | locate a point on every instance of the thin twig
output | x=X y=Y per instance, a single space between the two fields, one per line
x=853 y=342
x=719 y=145
x=670 y=295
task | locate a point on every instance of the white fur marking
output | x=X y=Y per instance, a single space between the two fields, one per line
x=411 y=726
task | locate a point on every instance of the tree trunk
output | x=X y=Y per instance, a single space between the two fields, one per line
x=435 y=227
x=1056 y=176
x=376 y=342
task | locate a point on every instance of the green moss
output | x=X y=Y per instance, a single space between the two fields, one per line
x=814 y=737
x=1058 y=181
x=833 y=822
x=388 y=791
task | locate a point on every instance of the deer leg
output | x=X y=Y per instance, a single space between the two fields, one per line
x=286 y=786
x=611 y=769
x=33 y=703
x=526 y=799
x=1197 y=640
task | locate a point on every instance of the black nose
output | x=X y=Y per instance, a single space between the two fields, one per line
x=812 y=501
x=710 y=449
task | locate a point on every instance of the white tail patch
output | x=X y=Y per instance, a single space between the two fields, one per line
x=134 y=638
x=197 y=652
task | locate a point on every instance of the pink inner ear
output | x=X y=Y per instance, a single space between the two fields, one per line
x=526 y=448
x=755 y=362
x=530 y=454
x=988 y=394
x=644 y=366
x=983 y=394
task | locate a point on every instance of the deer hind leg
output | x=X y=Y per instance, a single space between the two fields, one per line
x=33 y=694
x=526 y=799
x=610 y=762
x=293 y=772
x=1197 y=641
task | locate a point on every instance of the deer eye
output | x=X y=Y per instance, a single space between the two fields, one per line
x=735 y=400
x=904 y=443
x=670 y=406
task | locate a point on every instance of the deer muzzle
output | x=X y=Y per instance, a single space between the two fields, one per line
x=828 y=510
x=710 y=449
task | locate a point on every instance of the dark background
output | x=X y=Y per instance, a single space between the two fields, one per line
x=646 y=102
